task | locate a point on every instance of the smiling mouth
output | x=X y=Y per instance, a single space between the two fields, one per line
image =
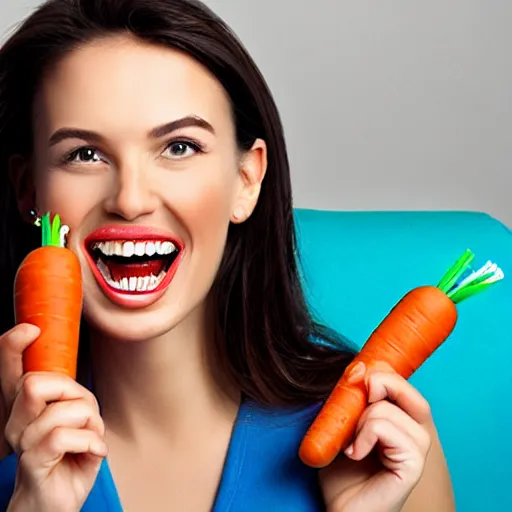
x=136 y=267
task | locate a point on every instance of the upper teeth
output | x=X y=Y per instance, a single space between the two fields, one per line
x=128 y=249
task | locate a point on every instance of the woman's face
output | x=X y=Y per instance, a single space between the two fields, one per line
x=135 y=149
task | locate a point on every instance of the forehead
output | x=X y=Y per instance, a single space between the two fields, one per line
x=123 y=83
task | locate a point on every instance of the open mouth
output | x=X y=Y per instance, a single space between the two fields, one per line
x=138 y=266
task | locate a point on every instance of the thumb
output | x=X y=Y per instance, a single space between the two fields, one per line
x=12 y=345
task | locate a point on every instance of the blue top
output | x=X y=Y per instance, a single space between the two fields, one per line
x=262 y=470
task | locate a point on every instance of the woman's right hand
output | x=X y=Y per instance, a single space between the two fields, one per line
x=55 y=428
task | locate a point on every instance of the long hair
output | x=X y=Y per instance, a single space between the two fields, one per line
x=265 y=332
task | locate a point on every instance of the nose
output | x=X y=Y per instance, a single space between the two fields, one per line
x=132 y=194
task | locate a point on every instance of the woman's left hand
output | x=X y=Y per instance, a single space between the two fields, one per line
x=385 y=461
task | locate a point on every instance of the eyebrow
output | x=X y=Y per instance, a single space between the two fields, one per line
x=184 y=122
x=155 y=133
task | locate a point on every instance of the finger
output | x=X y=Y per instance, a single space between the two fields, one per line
x=35 y=391
x=385 y=410
x=358 y=371
x=46 y=387
x=391 y=385
x=396 y=445
x=76 y=414
x=60 y=442
x=12 y=345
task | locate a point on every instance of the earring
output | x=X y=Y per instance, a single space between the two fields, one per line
x=36 y=220
x=239 y=214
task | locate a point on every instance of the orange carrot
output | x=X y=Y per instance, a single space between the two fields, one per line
x=419 y=323
x=48 y=294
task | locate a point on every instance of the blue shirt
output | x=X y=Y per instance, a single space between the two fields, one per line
x=262 y=471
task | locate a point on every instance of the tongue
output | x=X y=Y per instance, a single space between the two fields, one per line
x=146 y=268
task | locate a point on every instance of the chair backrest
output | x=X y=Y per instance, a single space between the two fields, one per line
x=357 y=265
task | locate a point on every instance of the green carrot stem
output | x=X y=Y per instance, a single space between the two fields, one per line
x=45 y=226
x=473 y=282
x=455 y=271
x=458 y=289
x=52 y=231
x=55 y=240
x=466 y=292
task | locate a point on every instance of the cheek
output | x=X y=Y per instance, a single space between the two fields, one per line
x=204 y=201
x=71 y=196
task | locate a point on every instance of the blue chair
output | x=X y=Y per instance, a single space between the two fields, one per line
x=357 y=265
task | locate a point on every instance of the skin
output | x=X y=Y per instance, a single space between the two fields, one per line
x=399 y=424
x=159 y=354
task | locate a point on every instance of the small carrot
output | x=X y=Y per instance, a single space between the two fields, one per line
x=48 y=294
x=417 y=325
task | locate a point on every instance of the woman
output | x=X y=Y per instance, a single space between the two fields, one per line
x=144 y=120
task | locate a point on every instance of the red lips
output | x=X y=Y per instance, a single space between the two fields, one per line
x=130 y=299
x=126 y=233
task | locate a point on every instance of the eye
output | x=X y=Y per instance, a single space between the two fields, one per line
x=84 y=155
x=181 y=149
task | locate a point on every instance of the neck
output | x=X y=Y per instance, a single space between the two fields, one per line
x=165 y=385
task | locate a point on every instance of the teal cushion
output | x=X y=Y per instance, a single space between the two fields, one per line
x=357 y=265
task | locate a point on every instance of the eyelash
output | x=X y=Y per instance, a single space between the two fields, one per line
x=196 y=146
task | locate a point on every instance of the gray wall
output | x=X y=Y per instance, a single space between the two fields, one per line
x=393 y=104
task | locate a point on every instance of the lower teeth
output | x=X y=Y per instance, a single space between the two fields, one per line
x=131 y=284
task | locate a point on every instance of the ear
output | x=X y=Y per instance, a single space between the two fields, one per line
x=253 y=167
x=23 y=185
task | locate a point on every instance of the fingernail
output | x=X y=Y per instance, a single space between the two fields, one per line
x=349 y=450
x=28 y=330
x=99 y=448
x=32 y=330
x=356 y=373
x=19 y=336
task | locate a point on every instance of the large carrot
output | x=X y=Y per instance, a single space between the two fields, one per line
x=418 y=324
x=48 y=294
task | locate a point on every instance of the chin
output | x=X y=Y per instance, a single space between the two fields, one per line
x=141 y=283
x=129 y=326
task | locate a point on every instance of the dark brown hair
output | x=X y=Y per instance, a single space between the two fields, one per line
x=266 y=334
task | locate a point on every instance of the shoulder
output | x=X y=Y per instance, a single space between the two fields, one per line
x=269 y=470
x=276 y=433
